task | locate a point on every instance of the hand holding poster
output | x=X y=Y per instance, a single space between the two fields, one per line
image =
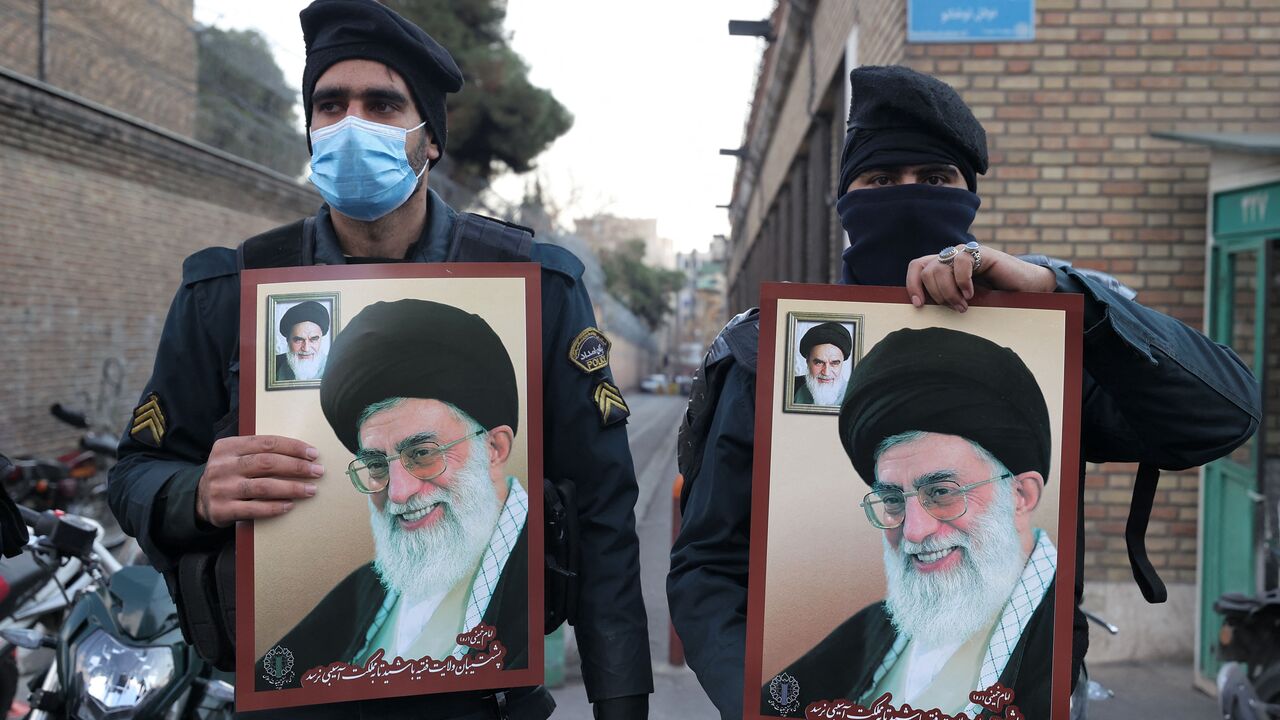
x=905 y=554
x=409 y=571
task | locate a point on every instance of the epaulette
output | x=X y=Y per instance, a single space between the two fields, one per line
x=558 y=259
x=207 y=264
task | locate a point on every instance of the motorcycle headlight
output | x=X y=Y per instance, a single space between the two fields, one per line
x=115 y=678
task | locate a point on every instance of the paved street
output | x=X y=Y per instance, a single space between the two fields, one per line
x=652 y=431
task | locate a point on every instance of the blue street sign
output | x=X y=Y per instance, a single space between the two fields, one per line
x=970 y=20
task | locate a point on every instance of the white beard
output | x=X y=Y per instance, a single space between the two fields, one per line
x=428 y=561
x=938 y=608
x=307 y=369
x=827 y=393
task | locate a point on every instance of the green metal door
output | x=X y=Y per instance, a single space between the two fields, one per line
x=1241 y=296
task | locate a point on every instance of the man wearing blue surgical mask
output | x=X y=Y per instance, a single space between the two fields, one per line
x=908 y=194
x=374 y=90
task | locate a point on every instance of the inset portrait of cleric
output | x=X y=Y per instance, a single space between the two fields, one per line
x=424 y=396
x=952 y=434
x=299 y=343
x=822 y=351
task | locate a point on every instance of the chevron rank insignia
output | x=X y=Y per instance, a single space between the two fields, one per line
x=147 y=426
x=608 y=399
x=590 y=351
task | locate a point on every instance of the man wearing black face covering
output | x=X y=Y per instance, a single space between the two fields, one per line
x=908 y=186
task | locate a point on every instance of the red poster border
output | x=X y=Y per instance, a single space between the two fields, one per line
x=1068 y=504
x=247 y=696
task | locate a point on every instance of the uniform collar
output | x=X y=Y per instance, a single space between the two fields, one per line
x=432 y=245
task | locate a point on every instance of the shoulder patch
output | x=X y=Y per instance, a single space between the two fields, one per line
x=148 y=424
x=558 y=259
x=589 y=351
x=207 y=264
x=608 y=400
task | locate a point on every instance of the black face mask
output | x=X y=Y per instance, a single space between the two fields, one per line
x=889 y=227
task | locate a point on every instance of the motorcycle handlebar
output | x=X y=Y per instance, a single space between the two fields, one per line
x=74 y=418
x=100 y=444
x=31 y=517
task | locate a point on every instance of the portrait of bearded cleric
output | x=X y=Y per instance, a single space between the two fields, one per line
x=298 y=346
x=823 y=351
x=424 y=397
x=949 y=435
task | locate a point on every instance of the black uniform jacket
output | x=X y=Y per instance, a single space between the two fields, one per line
x=842 y=666
x=196 y=379
x=335 y=630
x=1155 y=391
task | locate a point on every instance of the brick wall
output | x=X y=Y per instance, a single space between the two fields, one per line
x=135 y=56
x=1075 y=174
x=98 y=213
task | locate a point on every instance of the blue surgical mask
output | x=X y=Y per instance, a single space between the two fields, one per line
x=361 y=167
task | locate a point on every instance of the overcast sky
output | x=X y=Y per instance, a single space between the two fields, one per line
x=655 y=88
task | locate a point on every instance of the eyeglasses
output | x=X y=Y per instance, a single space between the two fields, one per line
x=944 y=500
x=424 y=460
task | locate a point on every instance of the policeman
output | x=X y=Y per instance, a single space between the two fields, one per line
x=908 y=180
x=374 y=92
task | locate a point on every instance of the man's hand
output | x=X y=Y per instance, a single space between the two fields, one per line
x=255 y=476
x=953 y=285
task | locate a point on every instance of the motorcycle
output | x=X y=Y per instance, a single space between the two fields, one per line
x=1249 y=643
x=119 y=652
x=75 y=481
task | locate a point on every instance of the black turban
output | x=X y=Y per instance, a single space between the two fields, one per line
x=417 y=349
x=309 y=311
x=337 y=30
x=898 y=116
x=827 y=333
x=948 y=382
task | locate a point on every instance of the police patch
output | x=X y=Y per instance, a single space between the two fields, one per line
x=147 y=426
x=608 y=399
x=590 y=351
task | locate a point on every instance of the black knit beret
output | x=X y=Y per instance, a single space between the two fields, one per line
x=895 y=108
x=948 y=382
x=337 y=30
x=827 y=333
x=308 y=311
x=417 y=349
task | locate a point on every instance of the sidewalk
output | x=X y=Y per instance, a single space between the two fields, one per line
x=1156 y=689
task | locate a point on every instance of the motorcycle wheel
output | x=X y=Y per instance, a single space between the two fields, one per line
x=1267 y=685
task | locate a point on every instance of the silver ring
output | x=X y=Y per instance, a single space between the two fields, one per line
x=974 y=249
x=947 y=255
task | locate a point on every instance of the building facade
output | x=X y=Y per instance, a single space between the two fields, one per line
x=1075 y=173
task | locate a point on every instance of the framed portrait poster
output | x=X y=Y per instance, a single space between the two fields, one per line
x=905 y=540
x=416 y=567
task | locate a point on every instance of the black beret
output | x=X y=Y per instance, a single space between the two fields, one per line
x=417 y=349
x=827 y=333
x=337 y=30
x=916 y=112
x=948 y=382
x=308 y=311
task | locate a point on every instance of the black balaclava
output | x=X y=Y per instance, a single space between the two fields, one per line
x=902 y=117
